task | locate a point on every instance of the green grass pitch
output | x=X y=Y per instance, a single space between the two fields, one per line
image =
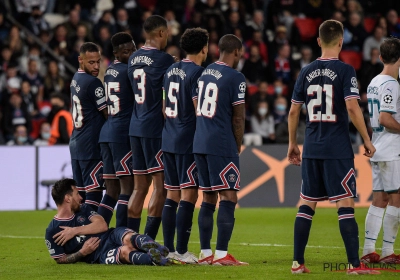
x=262 y=236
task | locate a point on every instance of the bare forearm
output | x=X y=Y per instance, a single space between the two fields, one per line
x=238 y=131
x=293 y=123
x=92 y=228
x=390 y=123
x=357 y=119
x=71 y=258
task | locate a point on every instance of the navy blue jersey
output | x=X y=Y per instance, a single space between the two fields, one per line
x=180 y=85
x=119 y=96
x=220 y=88
x=146 y=69
x=324 y=86
x=88 y=99
x=80 y=218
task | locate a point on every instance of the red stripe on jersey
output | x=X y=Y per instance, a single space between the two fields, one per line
x=221 y=63
x=64 y=219
x=327 y=59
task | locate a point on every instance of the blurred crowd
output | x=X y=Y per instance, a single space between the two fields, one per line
x=279 y=38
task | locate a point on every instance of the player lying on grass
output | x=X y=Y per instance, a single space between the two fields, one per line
x=77 y=233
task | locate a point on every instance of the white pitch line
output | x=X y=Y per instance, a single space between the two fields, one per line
x=197 y=242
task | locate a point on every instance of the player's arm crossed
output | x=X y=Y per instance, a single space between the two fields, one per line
x=88 y=247
x=97 y=225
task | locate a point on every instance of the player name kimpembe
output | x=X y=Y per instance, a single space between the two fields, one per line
x=321 y=72
x=212 y=72
x=142 y=59
x=178 y=72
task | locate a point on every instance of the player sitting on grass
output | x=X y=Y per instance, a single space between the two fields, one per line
x=77 y=233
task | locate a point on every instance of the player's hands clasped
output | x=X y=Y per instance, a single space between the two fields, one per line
x=369 y=149
x=90 y=245
x=63 y=236
x=294 y=155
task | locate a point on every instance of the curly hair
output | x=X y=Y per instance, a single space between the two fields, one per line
x=193 y=40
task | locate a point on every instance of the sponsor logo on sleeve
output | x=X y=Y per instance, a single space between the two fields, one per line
x=388 y=98
x=355 y=85
x=99 y=92
x=242 y=87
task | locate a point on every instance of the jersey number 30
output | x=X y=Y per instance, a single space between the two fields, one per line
x=208 y=107
x=328 y=116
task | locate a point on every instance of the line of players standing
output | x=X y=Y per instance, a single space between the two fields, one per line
x=193 y=137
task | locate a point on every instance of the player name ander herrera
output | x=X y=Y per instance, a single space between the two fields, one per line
x=142 y=59
x=212 y=72
x=178 y=72
x=321 y=72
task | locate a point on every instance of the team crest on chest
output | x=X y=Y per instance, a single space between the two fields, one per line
x=81 y=219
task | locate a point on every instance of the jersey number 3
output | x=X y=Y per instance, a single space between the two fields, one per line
x=208 y=107
x=139 y=74
x=318 y=116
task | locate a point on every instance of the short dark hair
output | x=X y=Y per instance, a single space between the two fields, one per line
x=390 y=50
x=229 y=43
x=57 y=95
x=330 y=31
x=154 y=22
x=120 y=38
x=89 y=47
x=61 y=188
x=193 y=40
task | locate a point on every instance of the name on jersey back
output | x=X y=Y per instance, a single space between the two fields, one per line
x=321 y=72
x=75 y=85
x=178 y=72
x=112 y=72
x=212 y=72
x=142 y=59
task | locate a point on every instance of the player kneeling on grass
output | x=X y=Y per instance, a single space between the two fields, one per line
x=180 y=84
x=77 y=233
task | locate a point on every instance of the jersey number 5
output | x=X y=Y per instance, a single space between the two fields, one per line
x=169 y=111
x=313 y=90
x=114 y=108
x=139 y=74
x=208 y=106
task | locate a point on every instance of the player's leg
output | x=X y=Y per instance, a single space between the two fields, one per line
x=122 y=156
x=340 y=182
x=127 y=184
x=92 y=171
x=189 y=193
x=207 y=209
x=225 y=178
x=391 y=183
x=171 y=203
x=77 y=176
x=312 y=191
x=107 y=205
x=155 y=167
x=142 y=183
x=373 y=220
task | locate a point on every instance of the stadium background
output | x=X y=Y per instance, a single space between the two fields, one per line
x=40 y=39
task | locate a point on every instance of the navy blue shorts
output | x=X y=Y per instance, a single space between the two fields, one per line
x=88 y=174
x=332 y=179
x=117 y=159
x=218 y=173
x=179 y=171
x=111 y=249
x=146 y=155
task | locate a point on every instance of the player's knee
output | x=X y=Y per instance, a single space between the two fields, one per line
x=190 y=195
x=380 y=199
x=394 y=200
x=174 y=195
x=124 y=254
x=230 y=195
x=210 y=197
